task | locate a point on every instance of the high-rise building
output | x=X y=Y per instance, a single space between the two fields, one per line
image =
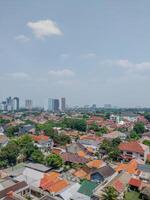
x=28 y=104
x=50 y=105
x=56 y=105
x=16 y=103
x=9 y=102
x=63 y=104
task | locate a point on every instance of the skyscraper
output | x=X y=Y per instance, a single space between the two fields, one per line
x=50 y=105
x=16 y=103
x=56 y=105
x=28 y=104
x=63 y=104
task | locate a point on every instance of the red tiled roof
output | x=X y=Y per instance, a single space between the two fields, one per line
x=39 y=137
x=131 y=146
x=135 y=182
x=74 y=158
x=118 y=185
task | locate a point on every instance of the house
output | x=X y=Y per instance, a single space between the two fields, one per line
x=114 y=135
x=3 y=140
x=79 y=149
x=133 y=149
x=90 y=141
x=72 y=193
x=33 y=173
x=102 y=174
x=130 y=167
x=134 y=183
x=43 y=142
x=53 y=183
x=96 y=164
x=119 y=182
x=28 y=128
x=87 y=188
x=145 y=172
x=73 y=158
x=14 y=188
x=83 y=173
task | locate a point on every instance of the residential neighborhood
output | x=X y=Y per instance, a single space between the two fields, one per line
x=69 y=158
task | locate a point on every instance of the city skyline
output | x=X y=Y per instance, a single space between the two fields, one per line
x=90 y=52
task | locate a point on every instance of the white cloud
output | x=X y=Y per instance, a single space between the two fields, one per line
x=44 y=28
x=22 y=38
x=61 y=73
x=18 y=75
x=126 y=64
x=89 y=55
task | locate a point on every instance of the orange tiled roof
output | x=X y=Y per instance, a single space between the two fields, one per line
x=53 y=183
x=95 y=164
x=81 y=173
x=81 y=153
x=130 y=167
x=58 y=186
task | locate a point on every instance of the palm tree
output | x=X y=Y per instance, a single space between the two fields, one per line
x=110 y=194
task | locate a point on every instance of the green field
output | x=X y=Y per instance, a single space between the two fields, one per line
x=132 y=195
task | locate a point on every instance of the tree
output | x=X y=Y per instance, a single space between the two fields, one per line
x=139 y=128
x=54 y=161
x=110 y=194
x=134 y=135
x=10 y=153
x=147 y=116
x=37 y=156
x=11 y=130
x=146 y=142
x=77 y=124
x=47 y=128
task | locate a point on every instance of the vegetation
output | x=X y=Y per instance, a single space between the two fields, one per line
x=147 y=116
x=110 y=194
x=111 y=148
x=77 y=124
x=132 y=195
x=4 y=121
x=134 y=135
x=20 y=146
x=139 y=128
x=37 y=156
x=54 y=161
x=11 y=130
x=146 y=142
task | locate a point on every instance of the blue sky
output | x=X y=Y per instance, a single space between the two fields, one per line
x=88 y=51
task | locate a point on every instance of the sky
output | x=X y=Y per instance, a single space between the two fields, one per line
x=91 y=52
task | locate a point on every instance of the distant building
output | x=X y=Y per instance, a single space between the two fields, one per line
x=56 y=105
x=50 y=105
x=63 y=104
x=28 y=104
x=16 y=103
x=107 y=106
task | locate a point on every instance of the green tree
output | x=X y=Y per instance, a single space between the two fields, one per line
x=134 y=135
x=37 y=156
x=10 y=153
x=146 y=142
x=147 y=116
x=110 y=194
x=11 y=130
x=54 y=161
x=139 y=128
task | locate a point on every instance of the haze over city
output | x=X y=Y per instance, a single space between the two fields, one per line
x=91 y=52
